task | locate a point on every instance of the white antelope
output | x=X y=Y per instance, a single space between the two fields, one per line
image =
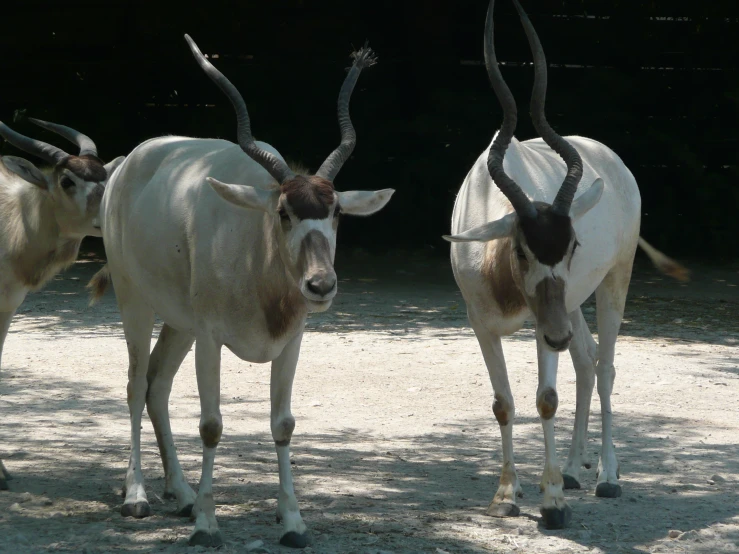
x=239 y=265
x=526 y=248
x=44 y=216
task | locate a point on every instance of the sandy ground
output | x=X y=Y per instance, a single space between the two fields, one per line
x=396 y=448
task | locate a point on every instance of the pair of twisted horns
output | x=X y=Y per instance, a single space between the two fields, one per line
x=521 y=203
x=365 y=57
x=47 y=152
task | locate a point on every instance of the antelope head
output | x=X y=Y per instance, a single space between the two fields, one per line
x=305 y=208
x=543 y=237
x=76 y=183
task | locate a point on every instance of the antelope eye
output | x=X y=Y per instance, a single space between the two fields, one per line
x=282 y=212
x=520 y=253
x=66 y=182
x=337 y=211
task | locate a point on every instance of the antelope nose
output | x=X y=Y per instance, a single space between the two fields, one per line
x=322 y=284
x=559 y=345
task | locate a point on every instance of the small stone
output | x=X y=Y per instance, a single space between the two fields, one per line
x=718 y=478
x=440 y=551
x=25 y=497
x=711 y=482
x=253 y=545
x=674 y=533
x=15 y=507
x=632 y=499
x=688 y=535
x=673 y=490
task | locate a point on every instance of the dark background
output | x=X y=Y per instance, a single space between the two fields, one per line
x=655 y=80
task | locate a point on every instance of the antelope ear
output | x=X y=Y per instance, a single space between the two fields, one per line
x=112 y=165
x=26 y=171
x=587 y=200
x=245 y=196
x=503 y=227
x=364 y=202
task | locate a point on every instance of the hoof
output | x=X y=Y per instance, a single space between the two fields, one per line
x=3 y=484
x=570 y=482
x=138 y=510
x=294 y=539
x=278 y=517
x=608 y=490
x=185 y=512
x=503 y=509
x=208 y=540
x=556 y=518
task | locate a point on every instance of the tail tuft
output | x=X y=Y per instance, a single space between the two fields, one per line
x=665 y=264
x=98 y=284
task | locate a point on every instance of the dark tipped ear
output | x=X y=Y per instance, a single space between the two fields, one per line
x=26 y=171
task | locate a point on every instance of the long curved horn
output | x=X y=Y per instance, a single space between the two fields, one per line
x=566 y=193
x=519 y=200
x=86 y=145
x=274 y=165
x=47 y=152
x=365 y=57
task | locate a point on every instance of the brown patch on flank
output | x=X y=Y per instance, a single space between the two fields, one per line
x=547 y=404
x=497 y=271
x=501 y=409
x=310 y=197
x=89 y=168
x=282 y=307
x=35 y=273
x=210 y=432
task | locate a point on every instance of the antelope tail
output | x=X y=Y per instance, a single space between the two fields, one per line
x=665 y=264
x=98 y=284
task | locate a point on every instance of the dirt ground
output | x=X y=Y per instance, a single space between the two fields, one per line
x=396 y=448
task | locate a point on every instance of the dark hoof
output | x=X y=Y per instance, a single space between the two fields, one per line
x=185 y=512
x=608 y=490
x=3 y=484
x=278 y=517
x=208 y=540
x=555 y=518
x=293 y=539
x=570 y=482
x=138 y=510
x=503 y=509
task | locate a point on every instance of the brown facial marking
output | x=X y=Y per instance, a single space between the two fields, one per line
x=496 y=270
x=550 y=301
x=310 y=197
x=88 y=168
x=501 y=409
x=315 y=252
x=281 y=308
x=548 y=235
x=210 y=432
x=547 y=403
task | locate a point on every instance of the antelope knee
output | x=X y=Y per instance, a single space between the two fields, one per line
x=282 y=430
x=606 y=376
x=503 y=409
x=546 y=403
x=210 y=431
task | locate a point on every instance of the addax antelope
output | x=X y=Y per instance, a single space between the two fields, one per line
x=524 y=245
x=239 y=265
x=44 y=215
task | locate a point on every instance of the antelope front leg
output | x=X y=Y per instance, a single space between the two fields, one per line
x=282 y=422
x=208 y=369
x=555 y=511
x=5 y=318
x=504 y=501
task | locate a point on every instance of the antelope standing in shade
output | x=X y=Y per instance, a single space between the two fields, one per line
x=514 y=257
x=44 y=216
x=239 y=265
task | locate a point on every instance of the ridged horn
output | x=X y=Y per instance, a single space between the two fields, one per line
x=86 y=145
x=47 y=152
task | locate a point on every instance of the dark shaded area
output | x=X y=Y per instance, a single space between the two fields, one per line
x=656 y=81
